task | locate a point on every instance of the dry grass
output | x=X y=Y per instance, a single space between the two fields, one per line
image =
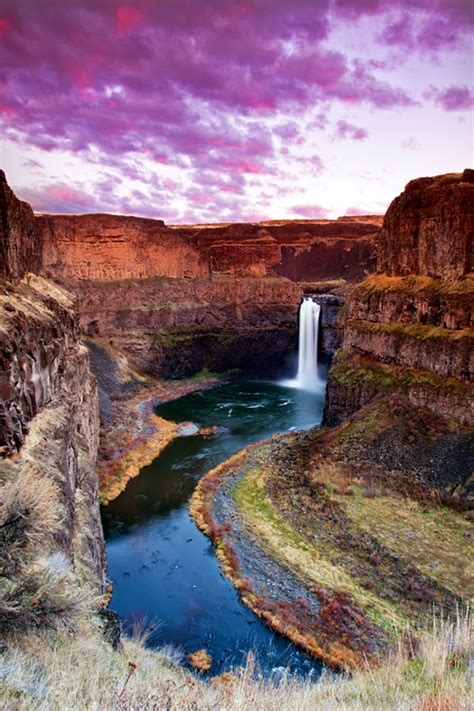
x=200 y=660
x=139 y=452
x=36 y=590
x=50 y=672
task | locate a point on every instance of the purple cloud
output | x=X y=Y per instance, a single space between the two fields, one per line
x=348 y=130
x=216 y=89
x=453 y=98
x=310 y=211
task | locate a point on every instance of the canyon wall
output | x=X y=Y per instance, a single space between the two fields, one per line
x=49 y=420
x=177 y=327
x=410 y=328
x=110 y=248
x=178 y=299
x=20 y=248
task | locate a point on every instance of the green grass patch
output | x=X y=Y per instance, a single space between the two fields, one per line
x=314 y=563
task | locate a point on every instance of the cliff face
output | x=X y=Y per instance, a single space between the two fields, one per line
x=109 y=248
x=181 y=298
x=20 y=250
x=410 y=329
x=176 y=327
x=49 y=417
x=429 y=228
x=49 y=435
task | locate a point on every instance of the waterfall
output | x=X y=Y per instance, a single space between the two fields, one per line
x=307 y=376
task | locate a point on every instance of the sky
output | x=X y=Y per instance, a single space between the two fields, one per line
x=232 y=110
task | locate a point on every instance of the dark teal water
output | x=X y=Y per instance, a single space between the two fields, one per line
x=163 y=568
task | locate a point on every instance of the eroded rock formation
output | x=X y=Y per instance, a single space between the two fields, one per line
x=411 y=328
x=20 y=249
x=49 y=422
x=177 y=327
x=429 y=228
x=110 y=247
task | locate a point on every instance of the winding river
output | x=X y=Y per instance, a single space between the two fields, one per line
x=163 y=568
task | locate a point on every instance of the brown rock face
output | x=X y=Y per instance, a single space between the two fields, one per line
x=181 y=298
x=410 y=329
x=20 y=250
x=109 y=247
x=49 y=413
x=176 y=327
x=429 y=228
x=39 y=333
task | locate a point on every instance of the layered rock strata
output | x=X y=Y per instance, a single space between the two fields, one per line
x=110 y=247
x=410 y=328
x=429 y=228
x=177 y=327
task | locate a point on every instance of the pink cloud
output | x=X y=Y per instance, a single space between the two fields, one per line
x=190 y=84
x=348 y=130
x=127 y=18
x=310 y=211
x=4 y=27
x=358 y=211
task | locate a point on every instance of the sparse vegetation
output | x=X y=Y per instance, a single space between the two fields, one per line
x=377 y=545
x=36 y=590
x=51 y=672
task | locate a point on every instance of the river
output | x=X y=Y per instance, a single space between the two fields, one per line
x=165 y=575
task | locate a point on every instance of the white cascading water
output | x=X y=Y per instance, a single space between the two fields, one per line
x=307 y=376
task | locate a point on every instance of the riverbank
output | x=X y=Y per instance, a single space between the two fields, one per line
x=374 y=544
x=84 y=672
x=138 y=435
x=131 y=434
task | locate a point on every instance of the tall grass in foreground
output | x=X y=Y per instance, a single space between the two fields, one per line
x=59 y=671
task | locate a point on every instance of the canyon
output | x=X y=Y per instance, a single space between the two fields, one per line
x=408 y=328
x=180 y=299
x=96 y=310
x=341 y=506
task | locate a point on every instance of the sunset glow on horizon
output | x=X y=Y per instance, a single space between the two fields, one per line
x=232 y=110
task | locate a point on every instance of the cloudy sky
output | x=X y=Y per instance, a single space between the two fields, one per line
x=214 y=110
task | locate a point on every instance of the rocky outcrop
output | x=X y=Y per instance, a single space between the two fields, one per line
x=177 y=327
x=111 y=247
x=429 y=228
x=49 y=417
x=20 y=250
x=38 y=334
x=410 y=329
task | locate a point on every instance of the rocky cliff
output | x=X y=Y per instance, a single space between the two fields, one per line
x=177 y=327
x=20 y=249
x=177 y=299
x=51 y=537
x=410 y=327
x=429 y=228
x=110 y=247
x=49 y=423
